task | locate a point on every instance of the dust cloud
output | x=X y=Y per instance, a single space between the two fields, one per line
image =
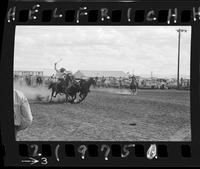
x=37 y=93
x=42 y=93
x=113 y=90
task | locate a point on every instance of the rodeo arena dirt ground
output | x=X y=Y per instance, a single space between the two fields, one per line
x=109 y=115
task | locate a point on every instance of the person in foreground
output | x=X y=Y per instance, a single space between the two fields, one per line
x=22 y=113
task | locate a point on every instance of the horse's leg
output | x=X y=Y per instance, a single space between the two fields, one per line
x=55 y=94
x=74 y=98
x=67 y=97
x=71 y=99
x=80 y=95
x=51 y=96
x=135 y=91
x=55 y=91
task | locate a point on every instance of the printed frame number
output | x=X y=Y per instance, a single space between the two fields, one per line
x=44 y=161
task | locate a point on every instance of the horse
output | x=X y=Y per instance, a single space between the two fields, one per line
x=59 y=88
x=84 y=88
x=72 y=90
x=134 y=85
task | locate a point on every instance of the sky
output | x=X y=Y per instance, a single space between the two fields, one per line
x=142 y=50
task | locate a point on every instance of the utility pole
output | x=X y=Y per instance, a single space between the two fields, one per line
x=178 y=68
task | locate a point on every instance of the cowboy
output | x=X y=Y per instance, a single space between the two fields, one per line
x=60 y=74
x=22 y=112
x=134 y=77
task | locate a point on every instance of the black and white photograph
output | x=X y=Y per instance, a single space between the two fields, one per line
x=102 y=83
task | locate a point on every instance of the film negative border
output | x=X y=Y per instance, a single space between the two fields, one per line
x=92 y=150
x=46 y=154
x=109 y=13
x=107 y=153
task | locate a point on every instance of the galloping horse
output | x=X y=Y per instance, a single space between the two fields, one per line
x=70 y=88
x=59 y=88
x=83 y=88
x=133 y=85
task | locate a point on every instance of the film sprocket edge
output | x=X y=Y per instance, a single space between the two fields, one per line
x=100 y=83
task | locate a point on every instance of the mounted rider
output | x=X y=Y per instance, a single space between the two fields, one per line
x=134 y=79
x=60 y=75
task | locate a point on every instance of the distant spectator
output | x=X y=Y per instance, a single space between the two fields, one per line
x=120 y=82
x=96 y=80
x=182 y=81
x=22 y=112
x=28 y=80
x=39 y=80
x=103 y=79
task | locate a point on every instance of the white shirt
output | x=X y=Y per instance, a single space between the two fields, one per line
x=60 y=75
x=22 y=112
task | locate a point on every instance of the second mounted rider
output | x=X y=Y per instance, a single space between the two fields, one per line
x=134 y=79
